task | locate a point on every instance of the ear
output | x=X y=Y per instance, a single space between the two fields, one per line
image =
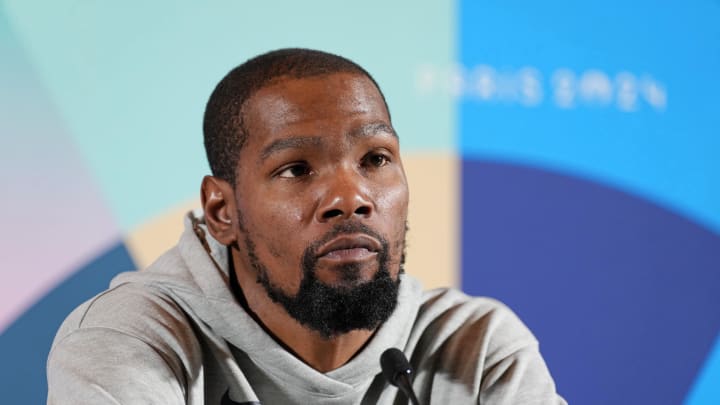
x=218 y=202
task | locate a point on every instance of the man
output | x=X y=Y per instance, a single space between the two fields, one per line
x=290 y=284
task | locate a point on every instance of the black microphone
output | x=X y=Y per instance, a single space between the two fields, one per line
x=397 y=371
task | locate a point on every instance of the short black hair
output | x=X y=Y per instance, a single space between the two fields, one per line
x=223 y=129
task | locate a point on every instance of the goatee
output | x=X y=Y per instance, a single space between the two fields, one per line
x=335 y=310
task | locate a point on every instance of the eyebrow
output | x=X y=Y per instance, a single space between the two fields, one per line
x=301 y=141
x=372 y=129
x=289 y=143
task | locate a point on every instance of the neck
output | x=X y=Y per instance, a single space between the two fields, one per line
x=319 y=352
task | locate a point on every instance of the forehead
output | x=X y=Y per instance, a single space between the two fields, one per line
x=320 y=102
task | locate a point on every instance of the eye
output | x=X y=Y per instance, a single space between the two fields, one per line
x=376 y=159
x=294 y=170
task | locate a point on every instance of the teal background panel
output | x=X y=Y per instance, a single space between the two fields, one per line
x=132 y=78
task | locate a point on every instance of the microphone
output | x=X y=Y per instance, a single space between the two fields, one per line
x=397 y=371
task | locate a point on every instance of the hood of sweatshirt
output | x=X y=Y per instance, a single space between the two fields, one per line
x=195 y=274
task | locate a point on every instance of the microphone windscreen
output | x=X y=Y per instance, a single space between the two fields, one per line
x=394 y=364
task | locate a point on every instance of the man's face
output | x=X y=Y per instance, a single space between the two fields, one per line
x=322 y=200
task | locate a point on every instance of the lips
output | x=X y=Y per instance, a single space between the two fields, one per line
x=349 y=247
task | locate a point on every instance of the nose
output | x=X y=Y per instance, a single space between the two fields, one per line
x=345 y=197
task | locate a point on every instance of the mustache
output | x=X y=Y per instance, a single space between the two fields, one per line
x=351 y=227
x=346 y=228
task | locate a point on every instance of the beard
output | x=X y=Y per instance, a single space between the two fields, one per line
x=332 y=310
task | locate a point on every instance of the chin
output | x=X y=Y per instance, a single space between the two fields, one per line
x=347 y=275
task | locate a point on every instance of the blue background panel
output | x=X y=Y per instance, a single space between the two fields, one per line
x=636 y=106
x=25 y=345
x=622 y=294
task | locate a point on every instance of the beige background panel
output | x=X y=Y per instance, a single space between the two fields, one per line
x=432 y=254
x=153 y=238
x=433 y=240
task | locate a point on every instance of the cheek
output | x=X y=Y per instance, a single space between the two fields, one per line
x=271 y=214
x=393 y=204
x=274 y=222
x=286 y=214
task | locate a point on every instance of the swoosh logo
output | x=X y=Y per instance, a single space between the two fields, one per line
x=227 y=401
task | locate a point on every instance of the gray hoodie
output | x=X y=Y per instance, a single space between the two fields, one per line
x=175 y=334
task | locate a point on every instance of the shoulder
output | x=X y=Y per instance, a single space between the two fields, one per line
x=131 y=315
x=454 y=308
x=138 y=304
x=132 y=308
x=126 y=345
x=476 y=348
x=459 y=322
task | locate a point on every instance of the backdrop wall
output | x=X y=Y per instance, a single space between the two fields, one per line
x=561 y=157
